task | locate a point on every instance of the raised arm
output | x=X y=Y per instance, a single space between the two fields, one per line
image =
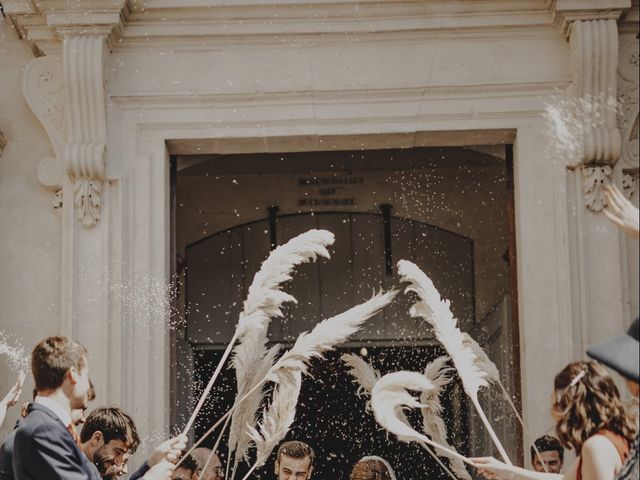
x=493 y=469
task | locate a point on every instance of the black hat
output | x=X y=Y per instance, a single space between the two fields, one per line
x=621 y=353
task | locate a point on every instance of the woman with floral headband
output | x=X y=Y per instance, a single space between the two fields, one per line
x=591 y=419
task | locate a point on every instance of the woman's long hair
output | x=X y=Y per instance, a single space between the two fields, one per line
x=586 y=401
x=372 y=468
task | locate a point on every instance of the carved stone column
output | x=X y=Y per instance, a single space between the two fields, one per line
x=593 y=36
x=84 y=156
x=66 y=91
x=597 y=275
x=594 y=45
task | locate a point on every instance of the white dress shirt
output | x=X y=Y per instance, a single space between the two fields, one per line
x=55 y=407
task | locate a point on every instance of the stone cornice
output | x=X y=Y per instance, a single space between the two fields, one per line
x=185 y=21
x=40 y=23
x=134 y=23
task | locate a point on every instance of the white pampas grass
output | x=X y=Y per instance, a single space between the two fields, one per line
x=483 y=362
x=433 y=425
x=437 y=312
x=327 y=334
x=249 y=376
x=287 y=372
x=364 y=375
x=390 y=397
x=277 y=418
x=265 y=299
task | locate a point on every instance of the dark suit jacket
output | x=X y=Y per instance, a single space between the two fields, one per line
x=6 y=452
x=138 y=474
x=6 y=460
x=44 y=449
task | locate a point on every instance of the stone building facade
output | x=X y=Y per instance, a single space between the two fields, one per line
x=97 y=96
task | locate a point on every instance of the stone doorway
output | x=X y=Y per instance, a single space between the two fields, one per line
x=445 y=207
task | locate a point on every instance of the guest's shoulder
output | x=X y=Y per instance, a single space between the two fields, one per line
x=599 y=446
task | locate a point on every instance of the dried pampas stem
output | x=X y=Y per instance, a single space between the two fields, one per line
x=287 y=372
x=484 y=363
x=364 y=375
x=327 y=335
x=433 y=425
x=264 y=298
x=437 y=312
x=277 y=418
x=493 y=375
x=214 y=450
x=389 y=398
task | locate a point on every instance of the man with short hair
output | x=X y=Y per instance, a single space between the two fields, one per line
x=6 y=449
x=550 y=453
x=44 y=447
x=108 y=438
x=294 y=461
x=214 y=469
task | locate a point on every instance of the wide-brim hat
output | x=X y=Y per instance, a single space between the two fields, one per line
x=621 y=353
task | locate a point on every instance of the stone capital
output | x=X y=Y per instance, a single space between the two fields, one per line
x=567 y=12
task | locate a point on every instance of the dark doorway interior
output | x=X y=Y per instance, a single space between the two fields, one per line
x=334 y=420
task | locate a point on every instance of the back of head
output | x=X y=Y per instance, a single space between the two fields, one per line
x=371 y=469
x=189 y=463
x=201 y=455
x=52 y=358
x=547 y=443
x=586 y=401
x=297 y=450
x=114 y=424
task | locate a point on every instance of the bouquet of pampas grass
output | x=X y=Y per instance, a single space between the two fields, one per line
x=366 y=377
x=436 y=311
x=325 y=336
x=287 y=372
x=264 y=301
x=389 y=399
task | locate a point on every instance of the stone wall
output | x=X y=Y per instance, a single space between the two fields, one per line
x=30 y=231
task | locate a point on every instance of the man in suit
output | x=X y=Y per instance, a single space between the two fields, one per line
x=44 y=445
x=6 y=448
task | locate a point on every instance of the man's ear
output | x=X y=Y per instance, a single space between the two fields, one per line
x=310 y=472
x=277 y=468
x=97 y=438
x=72 y=373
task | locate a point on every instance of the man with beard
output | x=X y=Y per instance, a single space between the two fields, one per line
x=108 y=438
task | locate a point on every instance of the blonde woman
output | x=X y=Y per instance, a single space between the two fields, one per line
x=372 y=468
x=590 y=419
